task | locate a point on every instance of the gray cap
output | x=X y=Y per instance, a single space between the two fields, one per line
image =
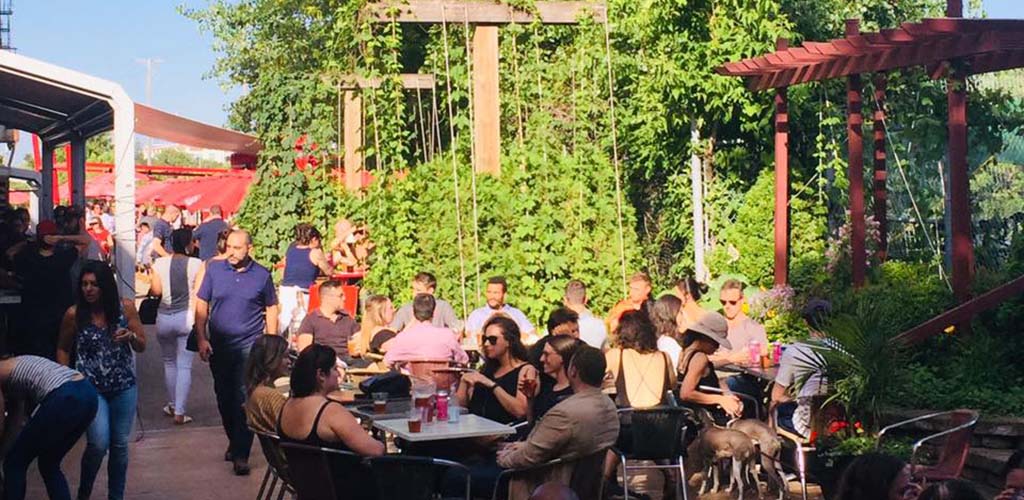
x=713 y=326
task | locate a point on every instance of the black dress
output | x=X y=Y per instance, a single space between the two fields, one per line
x=709 y=379
x=485 y=404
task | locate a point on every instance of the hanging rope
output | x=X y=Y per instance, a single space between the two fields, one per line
x=472 y=150
x=903 y=175
x=515 y=83
x=423 y=128
x=615 y=148
x=455 y=165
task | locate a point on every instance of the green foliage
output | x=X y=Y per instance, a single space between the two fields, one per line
x=747 y=248
x=535 y=230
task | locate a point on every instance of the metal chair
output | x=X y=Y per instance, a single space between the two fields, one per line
x=586 y=480
x=747 y=399
x=318 y=473
x=277 y=467
x=413 y=478
x=656 y=434
x=821 y=415
x=954 y=451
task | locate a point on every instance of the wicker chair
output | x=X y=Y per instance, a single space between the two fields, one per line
x=325 y=474
x=586 y=480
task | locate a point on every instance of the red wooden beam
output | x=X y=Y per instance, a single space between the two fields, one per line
x=878 y=187
x=781 y=181
x=959 y=187
x=962 y=313
x=855 y=134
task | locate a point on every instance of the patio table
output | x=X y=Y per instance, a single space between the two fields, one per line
x=468 y=426
x=767 y=374
x=396 y=408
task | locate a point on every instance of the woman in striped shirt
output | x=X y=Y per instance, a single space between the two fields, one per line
x=67 y=404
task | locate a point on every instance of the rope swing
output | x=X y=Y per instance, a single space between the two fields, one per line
x=472 y=149
x=615 y=148
x=455 y=165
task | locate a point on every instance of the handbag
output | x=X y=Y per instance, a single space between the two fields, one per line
x=148 y=309
x=192 y=342
x=393 y=383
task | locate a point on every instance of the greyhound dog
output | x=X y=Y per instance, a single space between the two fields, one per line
x=770 y=446
x=713 y=446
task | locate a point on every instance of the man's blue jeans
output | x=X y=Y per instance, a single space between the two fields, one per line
x=59 y=421
x=228 y=367
x=109 y=431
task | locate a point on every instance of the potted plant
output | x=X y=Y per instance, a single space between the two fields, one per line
x=860 y=363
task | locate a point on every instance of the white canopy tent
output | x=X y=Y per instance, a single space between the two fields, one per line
x=64 y=106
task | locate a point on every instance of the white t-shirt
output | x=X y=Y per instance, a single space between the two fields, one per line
x=668 y=345
x=797 y=361
x=593 y=330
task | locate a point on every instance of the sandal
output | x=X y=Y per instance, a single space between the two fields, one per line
x=169 y=409
x=185 y=419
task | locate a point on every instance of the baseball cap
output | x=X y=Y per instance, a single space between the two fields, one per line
x=46 y=228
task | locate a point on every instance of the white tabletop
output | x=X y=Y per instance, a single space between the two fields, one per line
x=468 y=426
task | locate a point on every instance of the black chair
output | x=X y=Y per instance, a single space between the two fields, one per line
x=319 y=473
x=656 y=434
x=277 y=467
x=586 y=480
x=413 y=478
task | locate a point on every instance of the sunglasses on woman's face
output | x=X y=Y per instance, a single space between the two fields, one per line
x=491 y=339
x=730 y=302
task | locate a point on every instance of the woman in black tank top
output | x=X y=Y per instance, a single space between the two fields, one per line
x=695 y=369
x=331 y=426
x=493 y=392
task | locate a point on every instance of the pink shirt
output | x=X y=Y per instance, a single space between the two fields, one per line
x=421 y=340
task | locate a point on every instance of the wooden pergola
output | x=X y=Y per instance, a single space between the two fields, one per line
x=485 y=17
x=952 y=48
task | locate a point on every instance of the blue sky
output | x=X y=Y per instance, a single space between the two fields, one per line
x=104 y=38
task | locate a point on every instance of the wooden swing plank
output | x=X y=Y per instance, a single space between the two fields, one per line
x=451 y=11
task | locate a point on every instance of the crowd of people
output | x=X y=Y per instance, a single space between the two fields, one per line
x=75 y=337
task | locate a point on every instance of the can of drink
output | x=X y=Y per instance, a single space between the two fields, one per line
x=755 y=352
x=441 y=403
x=777 y=351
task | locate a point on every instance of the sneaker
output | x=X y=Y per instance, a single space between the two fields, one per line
x=241 y=466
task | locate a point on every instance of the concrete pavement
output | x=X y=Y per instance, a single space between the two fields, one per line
x=171 y=462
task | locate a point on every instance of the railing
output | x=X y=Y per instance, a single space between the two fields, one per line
x=963 y=312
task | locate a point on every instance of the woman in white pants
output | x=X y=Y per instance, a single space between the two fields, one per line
x=303 y=262
x=174 y=280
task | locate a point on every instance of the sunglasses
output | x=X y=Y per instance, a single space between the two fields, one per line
x=730 y=302
x=491 y=339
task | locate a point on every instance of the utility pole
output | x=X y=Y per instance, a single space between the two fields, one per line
x=149 y=63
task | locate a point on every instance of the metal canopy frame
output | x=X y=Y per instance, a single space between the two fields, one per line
x=61 y=106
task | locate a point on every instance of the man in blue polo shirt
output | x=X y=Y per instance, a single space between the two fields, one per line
x=236 y=304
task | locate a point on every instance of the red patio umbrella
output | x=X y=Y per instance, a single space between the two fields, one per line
x=96 y=186
x=200 y=193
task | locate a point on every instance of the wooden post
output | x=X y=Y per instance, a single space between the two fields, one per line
x=879 y=188
x=959 y=187
x=76 y=172
x=486 y=100
x=781 y=180
x=855 y=136
x=353 y=137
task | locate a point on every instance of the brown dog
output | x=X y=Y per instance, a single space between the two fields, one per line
x=770 y=446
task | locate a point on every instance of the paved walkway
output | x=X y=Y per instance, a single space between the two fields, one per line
x=171 y=462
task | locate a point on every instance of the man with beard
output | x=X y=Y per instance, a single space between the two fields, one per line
x=496 y=290
x=236 y=304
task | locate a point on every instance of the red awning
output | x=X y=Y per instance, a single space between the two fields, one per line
x=96 y=186
x=200 y=193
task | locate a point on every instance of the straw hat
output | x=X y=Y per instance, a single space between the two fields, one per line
x=713 y=326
